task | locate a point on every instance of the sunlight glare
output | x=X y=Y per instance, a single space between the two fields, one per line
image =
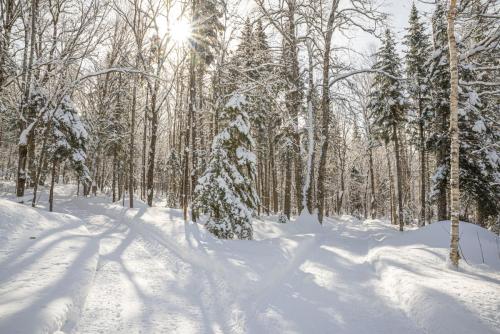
x=180 y=31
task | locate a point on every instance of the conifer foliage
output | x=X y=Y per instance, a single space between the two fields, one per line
x=387 y=103
x=226 y=191
x=438 y=140
x=418 y=87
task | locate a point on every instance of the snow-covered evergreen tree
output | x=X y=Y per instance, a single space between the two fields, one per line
x=251 y=72
x=226 y=191
x=205 y=28
x=67 y=142
x=387 y=103
x=244 y=54
x=478 y=110
x=417 y=55
x=69 y=137
x=262 y=74
x=438 y=139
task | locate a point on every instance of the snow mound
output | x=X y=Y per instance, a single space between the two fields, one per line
x=306 y=217
x=413 y=273
x=47 y=263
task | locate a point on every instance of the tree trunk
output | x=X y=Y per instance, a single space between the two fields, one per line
x=288 y=184
x=429 y=212
x=151 y=154
x=398 y=177
x=307 y=189
x=340 y=197
x=442 y=200
x=454 y=150
x=31 y=155
x=293 y=102
x=144 y=146
x=192 y=125
x=5 y=31
x=325 y=110
x=40 y=166
x=152 y=141
x=260 y=182
x=266 y=187
x=373 y=203
x=120 y=181
x=103 y=173
x=113 y=182
x=23 y=146
x=391 y=189
x=51 y=192
x=422 y=173
x=131 y=149
x=272 y=166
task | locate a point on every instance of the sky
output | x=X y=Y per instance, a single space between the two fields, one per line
x=399 y=12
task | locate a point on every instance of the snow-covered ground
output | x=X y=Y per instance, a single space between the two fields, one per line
x=96 y=267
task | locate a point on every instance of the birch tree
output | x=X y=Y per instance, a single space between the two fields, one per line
x=454 y=134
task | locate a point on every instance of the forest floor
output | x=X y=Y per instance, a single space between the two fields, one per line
x=97 y=267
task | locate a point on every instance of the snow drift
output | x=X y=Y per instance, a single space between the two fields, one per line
x=413 y=273
x=47 y=262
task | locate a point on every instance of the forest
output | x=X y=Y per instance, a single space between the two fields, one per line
x=128 y=97
x=235 y=112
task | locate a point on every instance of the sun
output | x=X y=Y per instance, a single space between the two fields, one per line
x=180 y=31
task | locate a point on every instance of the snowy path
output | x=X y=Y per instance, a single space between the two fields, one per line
x=163 y=292
x=135 y=291
x=156 y=274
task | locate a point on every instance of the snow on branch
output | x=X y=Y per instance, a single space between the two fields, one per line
x=355 y=72
x=25 y=133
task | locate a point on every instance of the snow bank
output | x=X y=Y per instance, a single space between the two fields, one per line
x=47 y=263
x=413 y=274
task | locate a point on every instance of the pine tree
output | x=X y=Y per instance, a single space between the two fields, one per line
x=226 y=191
x=251 y=70
x=262 y=111
x=478 y=110
x=438 y=141
x=417 y=55
x=244 y=55
x=67 y=141
x=479 y=160
x=477 y=106
x=387 y=103
x=205 y=28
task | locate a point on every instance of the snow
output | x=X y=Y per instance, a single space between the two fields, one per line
x=479 y=126
x=236 y=101
x=23 y=137
x=47 y=261
x=158 y=274
x=441 y=300
x=244 y=155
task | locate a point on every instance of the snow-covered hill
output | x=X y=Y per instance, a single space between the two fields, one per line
x=157 y=274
